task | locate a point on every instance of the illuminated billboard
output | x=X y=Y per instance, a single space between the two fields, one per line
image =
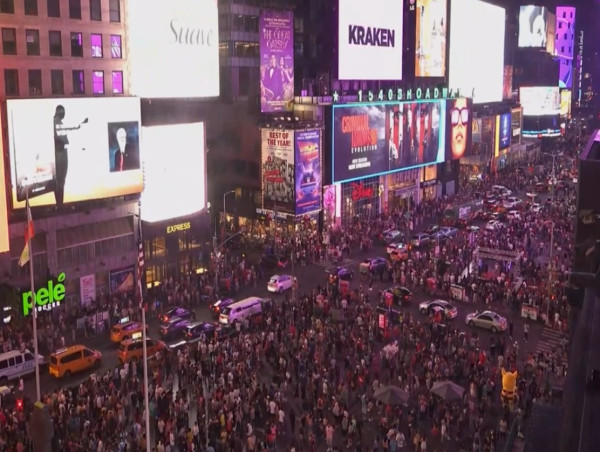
x=370 y=40
x=565 y=103
x=174 y=162
x=482 y=39
x=503 y=134
x=278 y=172
x=308 y=171
x=276 y=29
x=430 y=50
x=380 y=138
x=565 y=44
x=550 y=32
x=507 y=88
x=459 y=128
x=173 y=48
x=71 y=150
x=4 y=242
x=533 y=26
x=542 y=126
x=540 y=100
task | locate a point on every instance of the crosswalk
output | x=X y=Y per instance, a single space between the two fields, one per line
x=549 y=340
x=331 y=264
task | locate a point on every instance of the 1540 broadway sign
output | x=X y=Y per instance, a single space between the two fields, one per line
x=46 y=298
x=401 y=94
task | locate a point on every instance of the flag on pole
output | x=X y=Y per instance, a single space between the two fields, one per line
x=29 y=233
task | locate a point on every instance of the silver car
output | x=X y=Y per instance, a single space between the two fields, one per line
x=488 y=320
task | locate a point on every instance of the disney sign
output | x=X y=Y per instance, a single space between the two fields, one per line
x=359 y=191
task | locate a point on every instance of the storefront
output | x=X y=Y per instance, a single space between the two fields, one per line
x=401 y=190
x=430 y=187
x=360 y=200
x=175 y=247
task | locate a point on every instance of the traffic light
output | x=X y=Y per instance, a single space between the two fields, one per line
x=19 y=404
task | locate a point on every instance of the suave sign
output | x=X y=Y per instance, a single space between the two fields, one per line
x=46 y=298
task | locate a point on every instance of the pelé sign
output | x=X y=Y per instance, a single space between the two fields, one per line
x=46 y=298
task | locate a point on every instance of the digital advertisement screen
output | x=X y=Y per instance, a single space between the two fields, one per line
x=4 y=241
x=565 y=103
x=459 y=128
x=278 y=172
x=72 y=150
x=482 y=39
x=540 y=100
x=507 y=88
x=370 y=40
x=503 y=132
x=550 y=32
x=174 y=165
x=565 y=75
x=308 y=171
x=276 y=61
x=516 y=120
x=532 y=26
x=430 y=53
x=476 y=130
x=542 y=126
x=173 y=48
x=372 y=139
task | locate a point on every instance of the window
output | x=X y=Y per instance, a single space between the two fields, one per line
x=75 y=9
x=31 y=8
x=35 y=82
x=57 y=81
x=115 y=46
x=95 y=10
x=96 y=44
x=78 y=82
x=55 y=43
x=115 y=10
x=560 y=25
x=32 y=37
x=11 y=82
x=98 y=82
x=18 y=359
x=53 y=8
x=76 y=44
x=7 y=6
x=117 y=82
x=9 y=41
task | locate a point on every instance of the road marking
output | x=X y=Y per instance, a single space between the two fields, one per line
x=549 y=340
x=332 y=264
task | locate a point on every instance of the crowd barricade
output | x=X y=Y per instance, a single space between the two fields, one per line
x=98 y=321
x=530 y=312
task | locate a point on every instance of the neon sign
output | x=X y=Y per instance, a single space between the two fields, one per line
x=46 y=298
x=359 y=191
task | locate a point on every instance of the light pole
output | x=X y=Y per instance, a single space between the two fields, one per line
x=225 y=203
x=550 y=271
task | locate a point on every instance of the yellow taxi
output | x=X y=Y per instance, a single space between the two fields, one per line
x=133 y=349
x=125 y=330
x=70 y=360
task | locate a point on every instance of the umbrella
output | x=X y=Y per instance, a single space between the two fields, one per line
x=447 y=390
x=391 y=395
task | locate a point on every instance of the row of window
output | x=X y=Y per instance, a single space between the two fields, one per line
x=55 y=47
x=81 y=254
x=57 y=82
x=53 y=9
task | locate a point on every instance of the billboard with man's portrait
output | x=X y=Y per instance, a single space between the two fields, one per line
x=71 y=150
x=459 y=128
x=276 y=46
x=278 y=172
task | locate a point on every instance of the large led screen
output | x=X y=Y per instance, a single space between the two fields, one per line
x=533 y=26
x=430 y=49
x=174 y=163
x=308 y=171
x=540 y=100
x=480 y=41
x=173 y=48
x=4 y=243
x=278 y=172
x=565 y=103
x=565 y=74
x=71 y=150
x=371 y=139
x=459 y=128
x=542 y=126
x=276 y=60
x=370 y=40
x=503 y=133
x=550 y=32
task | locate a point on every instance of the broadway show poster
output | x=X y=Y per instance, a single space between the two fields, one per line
x=278 y=170
x=430 y=54
x=122 y=280
x=308 y=171
x=381 y=138
x=276 y=61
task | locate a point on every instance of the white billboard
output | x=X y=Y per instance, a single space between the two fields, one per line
x=477 y=50
x=540 y=100
x=370 y=40
x=173 y=48
x=4 y=241
x=71 y=150
x=533 y=24
x=174 y=171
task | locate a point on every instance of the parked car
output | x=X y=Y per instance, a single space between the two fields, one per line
x=126 y=330
x=340 y=274
x=488 y=320
x=395 y=246
x=420 y=240
x=173 y=328
x=182 y=313
x=449 y=310
x=195 y=331
x=219 y=305
x=439 y=237
x=392 y=235
x=375 y=265
x=280 y=283
x=449 y=231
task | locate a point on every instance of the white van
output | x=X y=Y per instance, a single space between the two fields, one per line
x=15 y=364
x=240 y=310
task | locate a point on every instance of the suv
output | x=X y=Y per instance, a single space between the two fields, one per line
x=133 y=349
x=419 y=240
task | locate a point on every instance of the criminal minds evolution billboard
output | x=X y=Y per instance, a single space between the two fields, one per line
x=276 y=61
x=370 y=40
x=308 y=171
x=380 y=138
x=72 y=150
x=173 y=48
x=278 y=172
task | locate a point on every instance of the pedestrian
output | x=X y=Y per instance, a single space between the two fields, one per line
x=510 y=329
x=526 y=332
